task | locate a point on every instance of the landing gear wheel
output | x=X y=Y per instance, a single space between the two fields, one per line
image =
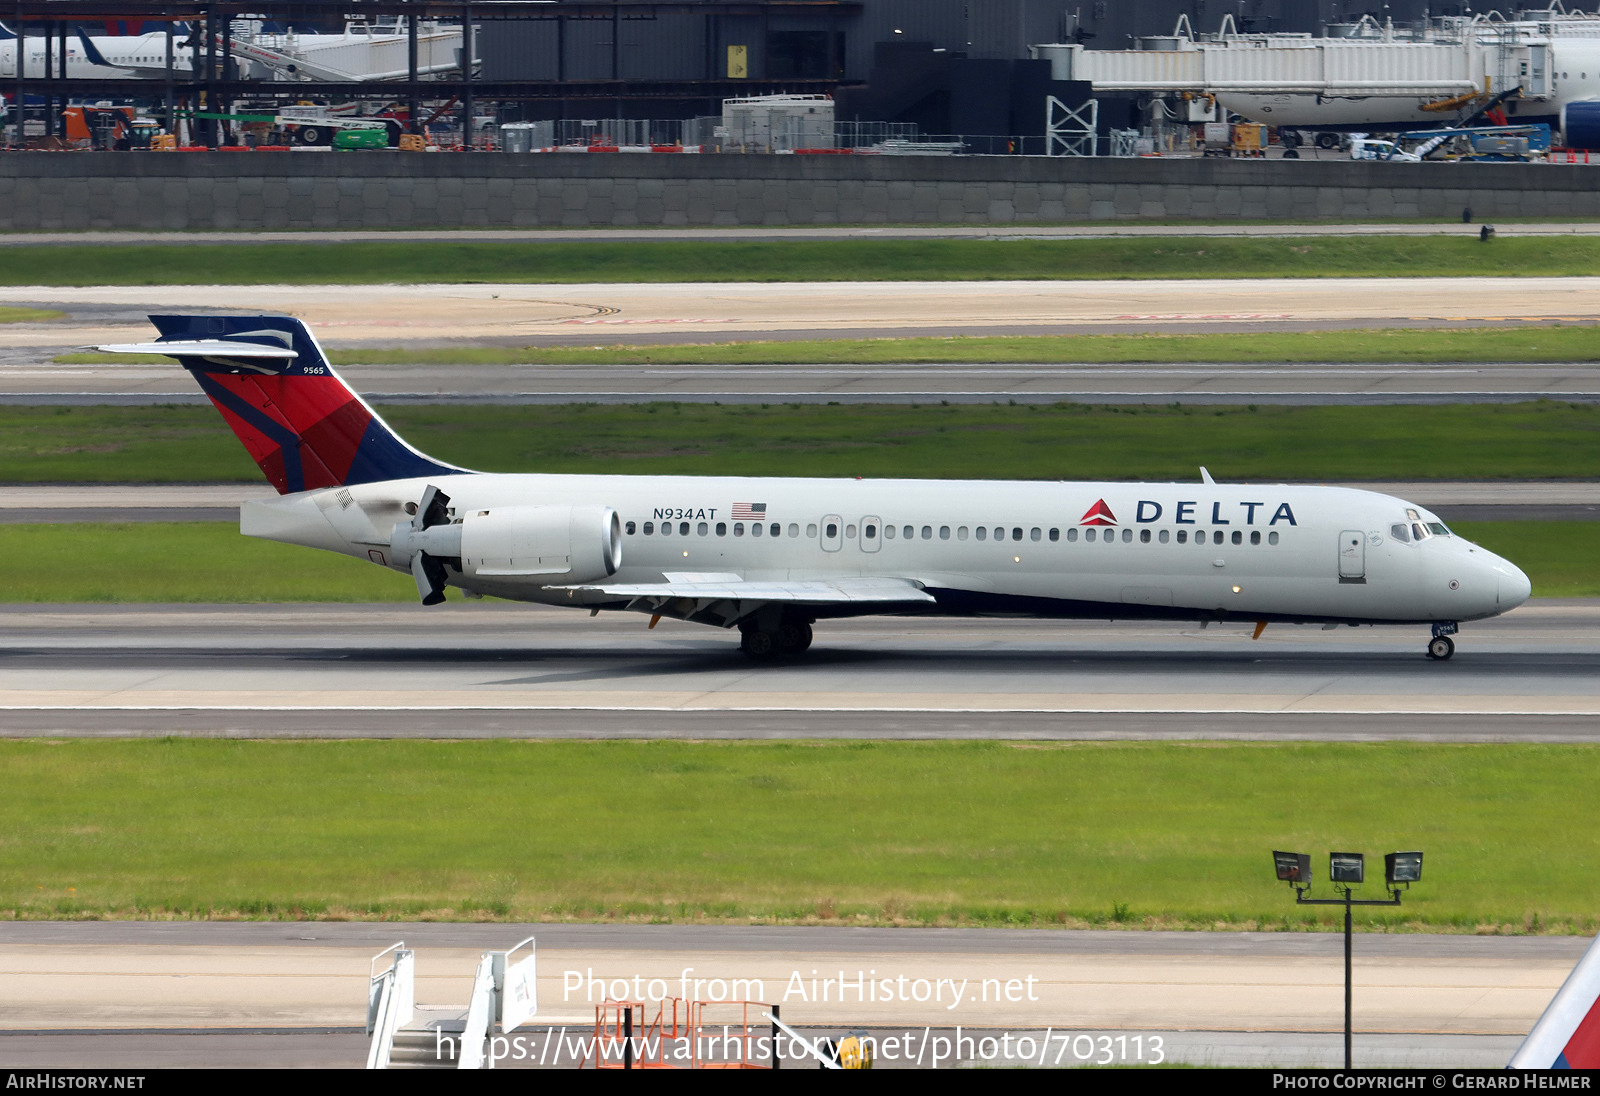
x=1291 y=154
x=794 y=637
x=759 y=646
x=1441 y=648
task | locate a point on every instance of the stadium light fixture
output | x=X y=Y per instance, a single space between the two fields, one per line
x=1347 y=871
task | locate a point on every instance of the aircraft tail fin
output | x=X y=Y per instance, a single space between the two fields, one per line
x=92 y=52
x=302 y=424
x=1567 y=1036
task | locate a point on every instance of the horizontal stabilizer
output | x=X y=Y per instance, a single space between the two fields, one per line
x=211 y=348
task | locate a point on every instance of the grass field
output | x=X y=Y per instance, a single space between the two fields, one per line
x=1141 y=835
x=1266 y=443
x=1561 y=343
x=204 y=562
x=30 y=315
x=549 y=261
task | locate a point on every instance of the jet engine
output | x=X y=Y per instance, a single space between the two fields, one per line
x=540 y=545
x=555 y=544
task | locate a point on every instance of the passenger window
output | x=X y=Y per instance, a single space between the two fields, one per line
x=811 y=530
x=982 y=533
x=909 y=532
x=888 y=532
x=722 y=528
x=1055 y=535
x=738 y=528
x=944 y=532
x=683 y=529
x=1144 y=536
x=666 y=528
x=1255 y=537
x=927 y=532
x=849 y=531
x=1016 y=534
x=1238 y=537
x=629 y=527
x=756 y=529
x=702 y=529
x=794 y=529
x=869 y=532
x=1272 y=538
x=776 y=530
x=1072 y=536
x=1163 y=536
x=1183 y=536
x=1035 y=534
x=999 y=534
x=961 y=532
x=1127 y=536
x=649 y=528
x=831 y=531
x=1088 y=535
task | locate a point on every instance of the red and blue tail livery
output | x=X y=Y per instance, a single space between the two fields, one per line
x=1567 y=1036
x=300 y=422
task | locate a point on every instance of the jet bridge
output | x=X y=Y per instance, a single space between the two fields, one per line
x=1313 y=66
x=1447 y=68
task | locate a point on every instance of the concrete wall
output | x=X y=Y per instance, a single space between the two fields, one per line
x=282 y=190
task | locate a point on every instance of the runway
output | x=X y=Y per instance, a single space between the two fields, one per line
x=493 y=670
x=37 y=382
x=411 y=315
x=1217 y=998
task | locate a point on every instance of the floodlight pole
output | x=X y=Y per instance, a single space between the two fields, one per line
x=1347 y=901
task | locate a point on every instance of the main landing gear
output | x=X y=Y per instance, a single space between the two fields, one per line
x=788 y=637
x=1441 y=646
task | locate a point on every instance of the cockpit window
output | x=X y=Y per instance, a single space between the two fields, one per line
x=1401 y=532
x=1420 y=530
x=1439 y=529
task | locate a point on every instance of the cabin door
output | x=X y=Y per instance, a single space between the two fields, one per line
x=1352 y=556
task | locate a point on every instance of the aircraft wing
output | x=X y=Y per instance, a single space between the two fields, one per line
x=731 y=597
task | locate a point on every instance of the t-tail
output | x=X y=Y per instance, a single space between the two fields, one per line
x=300 y=422
x=1567 y=1036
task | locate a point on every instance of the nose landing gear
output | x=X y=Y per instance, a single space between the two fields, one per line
x=1441 y=646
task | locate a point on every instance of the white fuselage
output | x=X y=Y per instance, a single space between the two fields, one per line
x=1169 y=551
x=129 y=57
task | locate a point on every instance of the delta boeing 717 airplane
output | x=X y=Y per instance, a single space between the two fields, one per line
x=772 y=557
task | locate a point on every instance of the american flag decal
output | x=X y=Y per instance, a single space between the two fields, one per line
x=749 y=511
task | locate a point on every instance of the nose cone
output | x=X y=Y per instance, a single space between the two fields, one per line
x=1512 y=587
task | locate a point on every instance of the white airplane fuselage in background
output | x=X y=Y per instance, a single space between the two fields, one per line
x=129 y=57
x=772 y=556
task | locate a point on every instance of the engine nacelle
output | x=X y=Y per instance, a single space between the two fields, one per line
x=550 y=545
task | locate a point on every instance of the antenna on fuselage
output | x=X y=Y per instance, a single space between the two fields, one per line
x=1205 y=477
